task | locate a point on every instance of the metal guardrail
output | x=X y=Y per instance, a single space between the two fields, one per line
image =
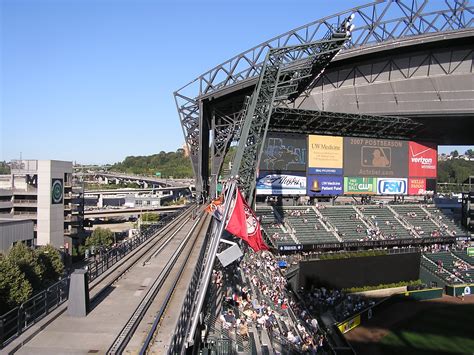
x=20 y=318
x=96 y=267
x=25 y=202
x=17 y=320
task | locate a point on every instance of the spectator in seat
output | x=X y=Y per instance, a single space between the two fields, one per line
x=244 y=329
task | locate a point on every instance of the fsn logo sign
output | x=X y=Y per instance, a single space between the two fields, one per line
x=392 y=186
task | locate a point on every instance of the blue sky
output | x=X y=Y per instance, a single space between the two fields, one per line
x=92 y=80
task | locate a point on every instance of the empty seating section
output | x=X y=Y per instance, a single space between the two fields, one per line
x=446 y=219
x=415 y=216
x=298 y=224
x=433 y=268
x=307 y=226
x=385 y=221
x=273 y=226
x=453 y=265
x=343 y=219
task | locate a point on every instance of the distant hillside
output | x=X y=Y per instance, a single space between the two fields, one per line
x=177 y=165
x=173 y=164
x=455 y=170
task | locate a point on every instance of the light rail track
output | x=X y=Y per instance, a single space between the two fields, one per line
x=147 y=248
x=121 y=341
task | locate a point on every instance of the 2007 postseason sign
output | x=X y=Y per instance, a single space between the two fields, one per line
x=375 y=157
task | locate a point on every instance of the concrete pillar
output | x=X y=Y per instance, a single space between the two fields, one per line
x=78 y=302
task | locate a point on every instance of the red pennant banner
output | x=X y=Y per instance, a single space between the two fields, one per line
x=244 y=224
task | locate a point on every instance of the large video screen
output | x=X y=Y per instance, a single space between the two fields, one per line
x=317 y=165
x=375 y=157
x=284 y=152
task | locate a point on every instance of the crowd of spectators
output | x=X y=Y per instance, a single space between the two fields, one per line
x=436 y=248
x=334 y=301
x=259 y=297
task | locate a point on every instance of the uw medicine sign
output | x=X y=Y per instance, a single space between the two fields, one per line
x=325 y=155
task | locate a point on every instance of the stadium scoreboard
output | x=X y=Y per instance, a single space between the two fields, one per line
x=317 y=165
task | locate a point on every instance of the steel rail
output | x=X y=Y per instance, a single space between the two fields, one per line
x=159 y=316
x=130 y=327
x=138 y=257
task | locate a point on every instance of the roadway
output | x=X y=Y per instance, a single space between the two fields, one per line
x=148 y=179
x=134 y=191
x=129 y=211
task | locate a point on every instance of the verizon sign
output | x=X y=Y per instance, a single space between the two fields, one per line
x=422 y=160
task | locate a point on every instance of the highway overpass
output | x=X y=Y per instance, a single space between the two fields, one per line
x=124 y=212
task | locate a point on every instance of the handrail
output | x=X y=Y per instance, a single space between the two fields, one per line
x=20 y=318
x=209 y=263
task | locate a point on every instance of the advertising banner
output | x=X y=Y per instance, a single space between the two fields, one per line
x=388 y=186
x=24 y=166
x=284 y=152
x=422 y=160
x=293 y=183
x=348 y=325
x=324 y=185
x=375 y=157
x=360 y=186
x=325 y=154
x=57 y=191
x=417 y=186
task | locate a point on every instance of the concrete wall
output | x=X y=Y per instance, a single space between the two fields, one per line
x=50 y=228
x=14 y=231
x=361 y=271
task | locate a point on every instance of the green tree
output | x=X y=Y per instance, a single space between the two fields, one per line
x=455 y=153
x=150 y=217
x=14 y=287
x=100 y=237
x=469 y=153
x=50 y=258
x=27 y=261
x=4 y=168
x=174 y=164
x=455 y=171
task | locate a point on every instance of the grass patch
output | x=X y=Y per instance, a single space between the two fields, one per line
x=441 y=330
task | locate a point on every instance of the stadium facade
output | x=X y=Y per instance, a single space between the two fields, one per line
x=404 y=73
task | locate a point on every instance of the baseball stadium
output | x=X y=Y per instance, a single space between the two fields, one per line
x=330 y=132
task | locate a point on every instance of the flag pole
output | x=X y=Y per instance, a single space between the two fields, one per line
x=209 y=264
